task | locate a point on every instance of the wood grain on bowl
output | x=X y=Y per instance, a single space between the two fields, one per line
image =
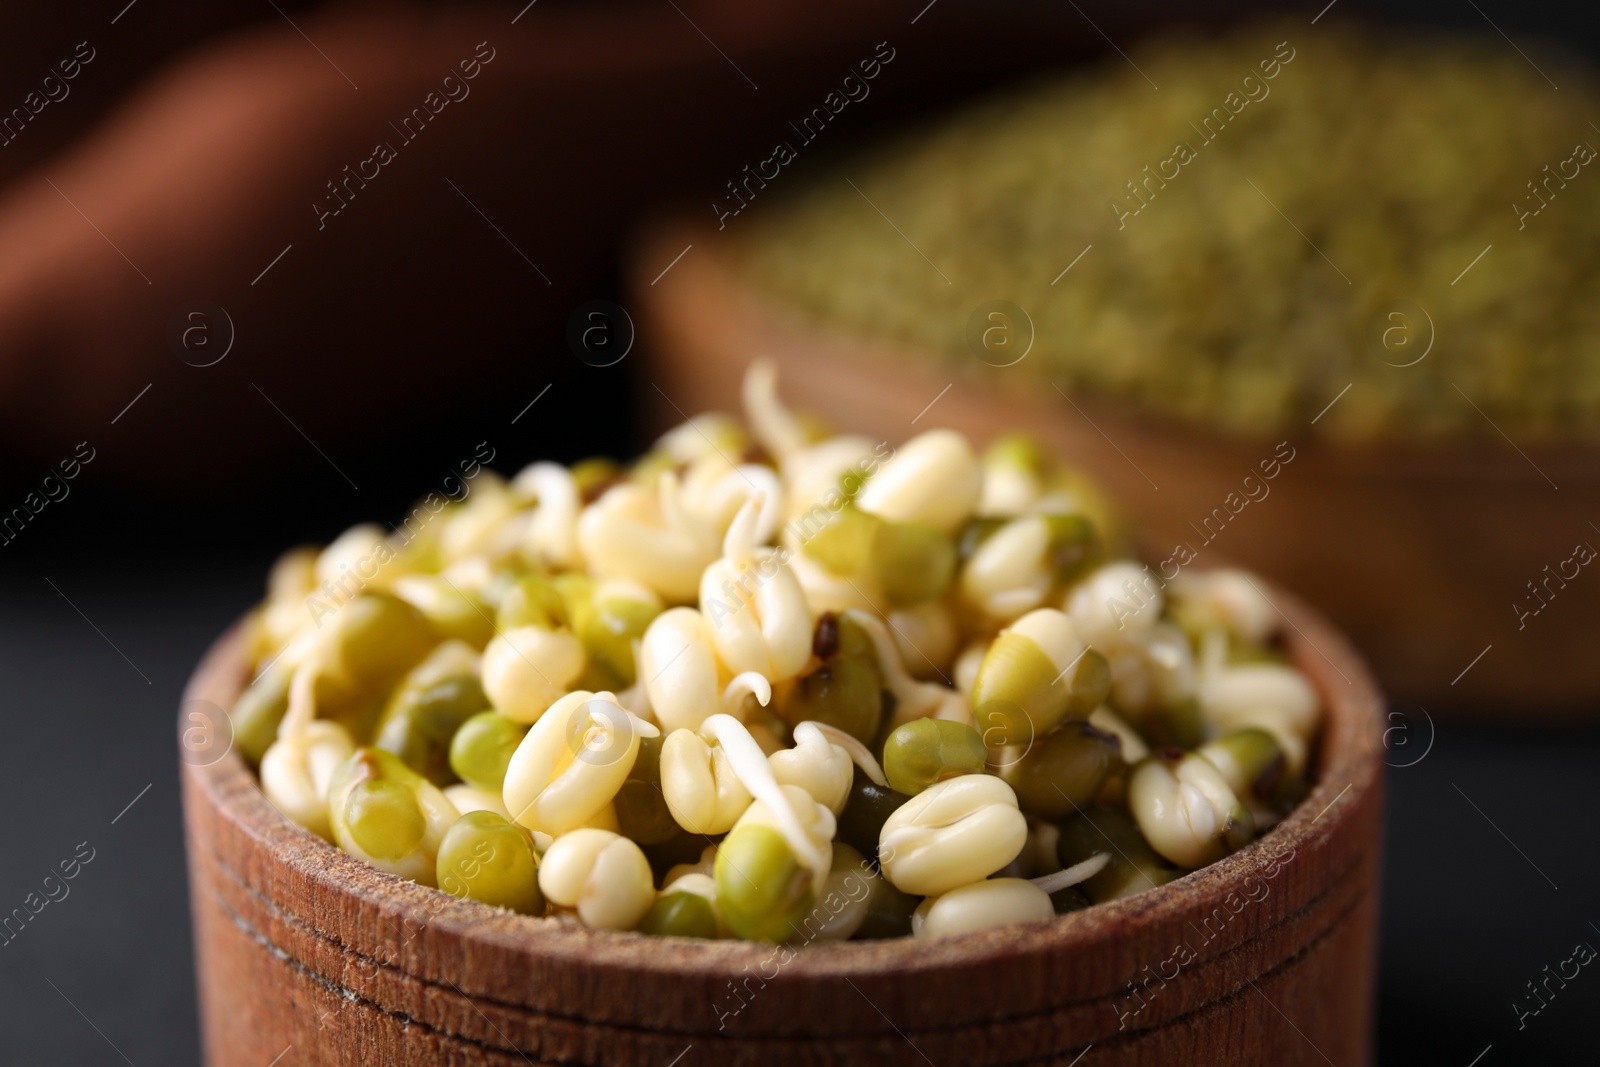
x=1429 y=557
x=1265 y=958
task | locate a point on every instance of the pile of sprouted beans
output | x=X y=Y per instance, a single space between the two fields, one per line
x=775 y=684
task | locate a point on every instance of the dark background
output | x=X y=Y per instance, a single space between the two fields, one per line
x=108 y=598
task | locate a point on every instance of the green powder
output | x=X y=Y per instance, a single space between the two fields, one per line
x=1249 y=274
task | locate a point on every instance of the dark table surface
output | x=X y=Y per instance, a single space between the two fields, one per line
x=1491 y=866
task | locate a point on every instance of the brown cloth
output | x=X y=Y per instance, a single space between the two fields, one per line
x=382 y=232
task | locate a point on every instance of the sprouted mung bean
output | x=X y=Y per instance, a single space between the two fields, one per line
x=1400 y=158
x=715 y=730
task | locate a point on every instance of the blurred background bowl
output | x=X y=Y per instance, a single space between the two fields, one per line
x=1423 y=469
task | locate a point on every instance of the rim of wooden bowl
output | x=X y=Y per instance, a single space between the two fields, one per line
x=1348 y=758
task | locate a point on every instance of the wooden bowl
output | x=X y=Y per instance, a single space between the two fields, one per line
x=1264 y=958
x=1419 y=553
